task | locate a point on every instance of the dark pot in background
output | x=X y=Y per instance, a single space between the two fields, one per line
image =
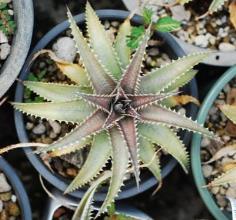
x=196 y=146
x=61 y=200
x=24 y=17
x=147 y=180
x=219 y=58
x=18 y=189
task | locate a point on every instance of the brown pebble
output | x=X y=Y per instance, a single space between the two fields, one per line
x=230 y=129
x=5 y=196
x=71 y=171
x=4 y=215
x=59 y=212
x=13 y=209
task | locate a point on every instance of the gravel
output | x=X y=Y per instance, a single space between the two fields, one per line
x=213 y=31
x=226 y=130
x=9 y=208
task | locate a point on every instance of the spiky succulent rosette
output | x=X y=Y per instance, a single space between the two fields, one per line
x=119 y=113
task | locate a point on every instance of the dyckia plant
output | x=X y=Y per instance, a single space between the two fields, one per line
x=118 y=112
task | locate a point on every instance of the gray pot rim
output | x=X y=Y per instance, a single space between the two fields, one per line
x=24 y=17
x=218 y=58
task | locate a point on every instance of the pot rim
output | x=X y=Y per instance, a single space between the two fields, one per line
x=217 y=59
x=18 y=188
x=128 y=191
x=24 y=17
x=196 y=145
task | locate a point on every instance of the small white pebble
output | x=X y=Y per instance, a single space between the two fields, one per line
x=201 y=41
x=65 y=49
x=226 y=47
x=207 y=170
x=3 y=38
x=205 y=142
x=10 y=12
x=13 y=198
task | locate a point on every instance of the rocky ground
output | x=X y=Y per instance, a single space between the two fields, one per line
x=213 y=31
x=177 y=200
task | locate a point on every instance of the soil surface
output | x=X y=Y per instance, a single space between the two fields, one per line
x=177 y=200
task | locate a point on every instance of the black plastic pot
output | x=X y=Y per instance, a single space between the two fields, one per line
x=130 y=189
x=18 y=189
x=24 y=17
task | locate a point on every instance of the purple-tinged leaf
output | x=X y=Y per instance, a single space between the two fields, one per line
x=112 y=119
x=139 y=101
x=157 y=114
x=101 y=101
x=128 y=128
x=130 y=79
x=91 y=125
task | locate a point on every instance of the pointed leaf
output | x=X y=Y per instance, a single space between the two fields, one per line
x=83 y=210
x=162 y=78
x=111 y=119
x=101 y=43
x=182 y=80
x=229 y=111
x=160 y=115
x=139 y=101
x=101 y=81
x=123 y=51
x=74 y=72
x=56 y=92
x=90 y=126
x=101 y=101
x=226 y=178
x=128 y=128
x=147 y=152
x=71 y=111
x=130 y=79
x=120 y=162
x=99 y=153
x=69 y=149
x=166 y=138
